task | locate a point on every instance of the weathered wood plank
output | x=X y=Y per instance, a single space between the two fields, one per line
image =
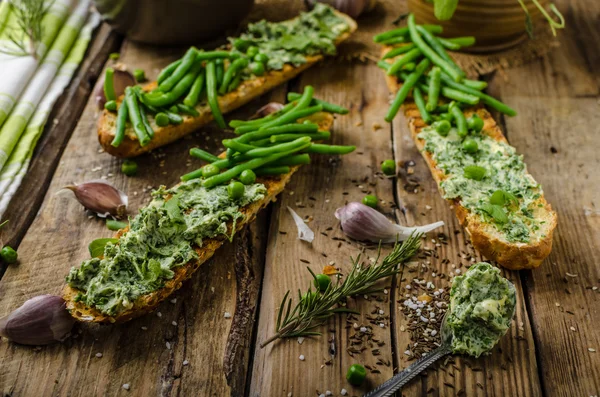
x=315 y=192
x=177 y=352
x=557 y=130
x=28 y=198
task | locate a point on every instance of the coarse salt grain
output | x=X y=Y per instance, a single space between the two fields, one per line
x=126 y=386
x=168 y=344
x=408 y=286
x=227 y=315
x=185 y=362
x=99 y=355
x=300 y=340
x=174 y=323
x=144 y=328
x=174 y=300
x=343 y=392
x=382 y=325
x=301 y=357
x=363 y=329
x=329 y=393
x=159 y=314
x=381 y=311
x=591 y=350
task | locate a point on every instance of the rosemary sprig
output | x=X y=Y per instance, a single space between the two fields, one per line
x=27 y=35
x=313 y=308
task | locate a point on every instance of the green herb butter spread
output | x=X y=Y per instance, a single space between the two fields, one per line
x=482 y=304
x=504 y=170
x=311 y=33
x=160 y=238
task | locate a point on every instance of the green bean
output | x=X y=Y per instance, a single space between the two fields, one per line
x=398 y=51
x=431 y=54
x=297 y=159
x=213 y=55
x=162 y=99
x=459 y=119
x=329 y=149
x=384 y=65
x=282 y=147
x=192 y=97
x=439 y=49
x=186 y=64
x=167 y=71
x=109 y=84
x=280 y=129
x=420 y=102
x=211 y=90
x=395 y=40
x=436 y=29
x=406 y=58
x=234 y=67
x=237 y=146
x=488 y=100
x=319 y=136
x=203 y=155
x=276 y=170
x=408 y=84
x=433 y=91
x=456 y=43
x=475 y=84
x=174 y=118
x=192 y=175
x=219 y=71
x=144 y=116
x=327 y=106
x=292 y=116
x=257 y=122
x=459 y=96
x=122 y=116
x=409 y=67
x=237 y=80
x=187 y=110
x=249 y=165
x=135 y=117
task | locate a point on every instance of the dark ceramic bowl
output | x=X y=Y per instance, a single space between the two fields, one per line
x=173 y=21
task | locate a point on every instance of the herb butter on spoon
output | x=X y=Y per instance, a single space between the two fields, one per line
x=482 y=305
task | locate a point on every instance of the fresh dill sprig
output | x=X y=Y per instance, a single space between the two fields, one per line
x=27 y=36
x=313 y=308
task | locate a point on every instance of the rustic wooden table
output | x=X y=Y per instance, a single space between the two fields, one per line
x=189 y=347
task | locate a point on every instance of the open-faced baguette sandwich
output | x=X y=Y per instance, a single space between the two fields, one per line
x=183 y=226
x=501 y=206
x=202 y=86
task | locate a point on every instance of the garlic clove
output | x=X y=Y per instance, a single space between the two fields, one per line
x=39 y=321
x=101 y=197
x=122 y=79
x=304 y=232
x=363 y=223
x=267 y=109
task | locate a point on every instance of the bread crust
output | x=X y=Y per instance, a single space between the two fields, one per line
x=149 y=302
x=485 y=239
x=246 y=91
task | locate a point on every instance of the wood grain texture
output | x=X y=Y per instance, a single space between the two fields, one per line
x=61 y=123
x=315 y=192
x=557 y=129
x=177 y=352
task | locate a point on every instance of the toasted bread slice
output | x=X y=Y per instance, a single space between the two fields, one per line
x=247 y=90
x=147 y=303
x=485 y=237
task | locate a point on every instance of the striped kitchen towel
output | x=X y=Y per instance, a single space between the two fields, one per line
x=28 y=106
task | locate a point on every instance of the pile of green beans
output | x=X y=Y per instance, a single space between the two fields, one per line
x=197 y=76
x=424 y=67
x=270 y=145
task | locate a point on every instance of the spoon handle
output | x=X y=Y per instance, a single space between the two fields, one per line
x=393 y=384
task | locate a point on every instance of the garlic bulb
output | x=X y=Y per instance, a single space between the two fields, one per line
x=353 y=8
x=39 y=321
x=364 y=223
x=101 y=197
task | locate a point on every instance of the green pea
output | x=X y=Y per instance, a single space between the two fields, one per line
x=470 y=146
x=252 y=51
x=475 y=123
x=356 y=374
x=257 y=68
x=139 y=75
x=161 y=119
x=247 y=177
x=114 y=56
x=442 y=127
x=322 y=282
x=111 y=106
x=210 y=170
x=8 y=254
x=370 y=200
x=240 y=44
x=446 y=116
x=388 y=167
x=174 y=109
x=129 y=167
x=262 y=58
x=235 y=190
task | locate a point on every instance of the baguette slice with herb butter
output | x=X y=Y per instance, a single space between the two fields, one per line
x=148 y=302
x=525 y=240
x=245 y=92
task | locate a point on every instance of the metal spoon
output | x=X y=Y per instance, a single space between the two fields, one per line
x=394 y=384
